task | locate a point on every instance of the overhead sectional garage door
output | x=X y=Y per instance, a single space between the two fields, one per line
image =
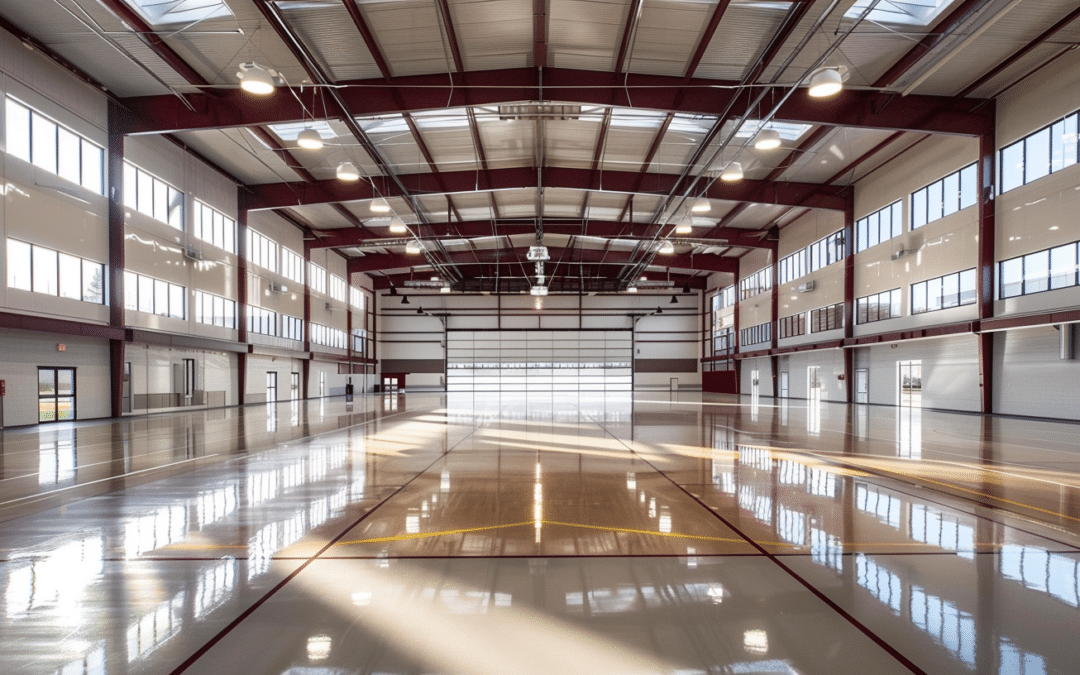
x=537 y=360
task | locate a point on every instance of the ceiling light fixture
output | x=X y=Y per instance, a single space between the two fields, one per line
x=254 y=79
x=825 y=82
x=684 y=226
x=674 y=300
x=631 y=288
x=309 y=139
x=666 y=248
x=347 y=171
x=419 y=310
x=444 y=289
x=767 y=139
x=404 y=299
x=397 y=226
x=413 y=248
x=379 y=205
x=701 y=206
x=732 y=173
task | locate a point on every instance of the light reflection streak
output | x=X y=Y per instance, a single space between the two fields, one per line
x=501 y=640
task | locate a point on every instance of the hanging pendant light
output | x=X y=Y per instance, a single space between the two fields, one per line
x=666 y=248
x=732 y=173
x=685 y=226
x=701 y=206
x=254 y=79
x=397 y=226
x=825 y=82
x=379 y=205
x=347 y=171
x=767 y=139
x=413 y=248
x=309 y=139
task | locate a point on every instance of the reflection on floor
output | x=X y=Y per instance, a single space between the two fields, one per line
x=627 y=533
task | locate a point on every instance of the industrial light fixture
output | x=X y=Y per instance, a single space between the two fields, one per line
x=413 y=248
x=659 y=309
x=379 y=205
x=538 y=290
x=732 y=173
x=674 y=300
x=347 y=171
x=397 y=225
x=309 y=139
x=767 y=139
x=444 y=289
x=631 y=288
x=666 y=248
x=404 y=299
x=686 y=287
x=419 y=310
x=254 y=79
x=701 y=206
x=685 y=226
x=825 y=82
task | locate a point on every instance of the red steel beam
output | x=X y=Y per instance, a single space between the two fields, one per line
x=348 y=237
x=575 y=256
x=368 y=36
x=628 y=32
x=281 y=195
x=451 y=34
x=858 y=108
x=572 y=284
x=540 y=58
x=706 y=37
x=941 y=31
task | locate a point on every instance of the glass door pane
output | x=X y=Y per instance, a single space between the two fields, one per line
x=65 y=382
x=46 y=382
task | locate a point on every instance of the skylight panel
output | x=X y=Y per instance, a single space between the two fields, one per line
x=179 y=12
x=789 y=131
x=384 y=124
x=900 y=13
x=289 y=130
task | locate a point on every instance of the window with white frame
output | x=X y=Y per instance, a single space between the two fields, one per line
x=337 y=288
x=154 y=296
x=950 y=290
x=327 y=336
x=945 y=196
x=880 y=226
x=292 y=328
x=214 y=227
x=755 y=283
x=214 y=310
x=262 y=321
x=292 y=265
x=317 y=278
x=43 y=270
x=878 y=307
x=356 y=297
x=263 y=251
x=821 y=253
x=1039 y=154
x=1045 y=270
x=153 y=197
x=37 y=139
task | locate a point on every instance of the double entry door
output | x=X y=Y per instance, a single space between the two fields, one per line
x=56 y=394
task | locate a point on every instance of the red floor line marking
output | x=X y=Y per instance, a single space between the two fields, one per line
x=877 y=639
x=201 y=651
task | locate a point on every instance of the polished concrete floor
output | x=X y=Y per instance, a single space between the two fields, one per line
x=633 y=533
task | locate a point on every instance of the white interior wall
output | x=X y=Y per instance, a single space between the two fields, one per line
x=259 y=365
x=1030 y=378
x=950 y=371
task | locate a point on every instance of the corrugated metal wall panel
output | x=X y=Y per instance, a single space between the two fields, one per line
x=1030 y=377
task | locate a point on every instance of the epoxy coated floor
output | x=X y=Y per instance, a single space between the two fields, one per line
x=633 y=533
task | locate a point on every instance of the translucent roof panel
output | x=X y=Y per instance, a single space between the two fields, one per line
x=900 y=13
x=177 y=12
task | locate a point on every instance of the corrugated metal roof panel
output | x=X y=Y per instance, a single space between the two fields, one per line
x=584 y=34
x=493 y=34
x=507 y=143
x=330 y=33
x=571 y=143
x=410 y=35
x=742 y=34
x=667 y=35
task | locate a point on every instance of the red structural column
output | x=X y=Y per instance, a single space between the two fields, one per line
x=987 y=237
x=241 y=293
x=774 y=311
x=115 y=186
x=849 y=297
x=736 y=340
x=307 y=320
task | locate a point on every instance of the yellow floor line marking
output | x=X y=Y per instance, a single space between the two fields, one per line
x=917 y=478
x=627 y=530
x=425 y=535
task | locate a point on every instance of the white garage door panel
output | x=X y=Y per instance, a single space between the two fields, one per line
x=539 y=361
